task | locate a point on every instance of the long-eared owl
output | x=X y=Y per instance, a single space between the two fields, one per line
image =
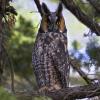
x=49 y=57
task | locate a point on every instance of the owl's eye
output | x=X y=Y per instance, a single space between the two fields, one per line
x=58 y=23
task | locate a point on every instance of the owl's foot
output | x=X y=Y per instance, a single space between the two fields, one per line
x=43 y=89
x=55 y=87
x=51 y=88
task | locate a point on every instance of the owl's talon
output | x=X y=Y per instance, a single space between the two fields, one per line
x=49 y=89
x=43 y=89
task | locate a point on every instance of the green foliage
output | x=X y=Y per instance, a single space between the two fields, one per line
x=76 y=45
x=20 y=47
x=20 y=44
x=25 y=27
x=93 y=50
x=4 y=95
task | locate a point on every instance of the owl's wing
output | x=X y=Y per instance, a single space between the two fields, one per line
x=37 y=60
x=59 y=56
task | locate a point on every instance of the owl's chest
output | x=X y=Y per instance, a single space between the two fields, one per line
x=48 y=43
x=51 y=39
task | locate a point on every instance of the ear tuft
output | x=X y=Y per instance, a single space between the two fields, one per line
x=45 y=9
x=59 y=9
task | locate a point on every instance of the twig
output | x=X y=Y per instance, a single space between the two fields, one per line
x=11 y=69
x=74 y=9
x=76 y=66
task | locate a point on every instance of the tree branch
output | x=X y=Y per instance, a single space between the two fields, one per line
x=72 y=7
x=78 y=92
x=70 y=93
x=93 y=3
x=37 y=2
x=1 y=68
x=76 y=65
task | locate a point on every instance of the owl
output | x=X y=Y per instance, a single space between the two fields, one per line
x=49 y=56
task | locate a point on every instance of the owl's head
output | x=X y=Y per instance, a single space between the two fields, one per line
x=52 y=21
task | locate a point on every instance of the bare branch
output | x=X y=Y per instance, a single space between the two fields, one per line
x=76 y=65
x=37 y=2
x=1 y=62
x=70 y=93
x=72 y=7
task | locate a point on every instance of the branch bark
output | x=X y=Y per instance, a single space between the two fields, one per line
x=70 y=93
x=76 y=65
x=37 y=2
x=1 y=69
x=74 y=9
x=79 y=92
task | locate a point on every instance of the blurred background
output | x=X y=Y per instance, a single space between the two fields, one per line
x=82 y=45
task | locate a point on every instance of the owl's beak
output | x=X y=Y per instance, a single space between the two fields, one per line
x=52 y=27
